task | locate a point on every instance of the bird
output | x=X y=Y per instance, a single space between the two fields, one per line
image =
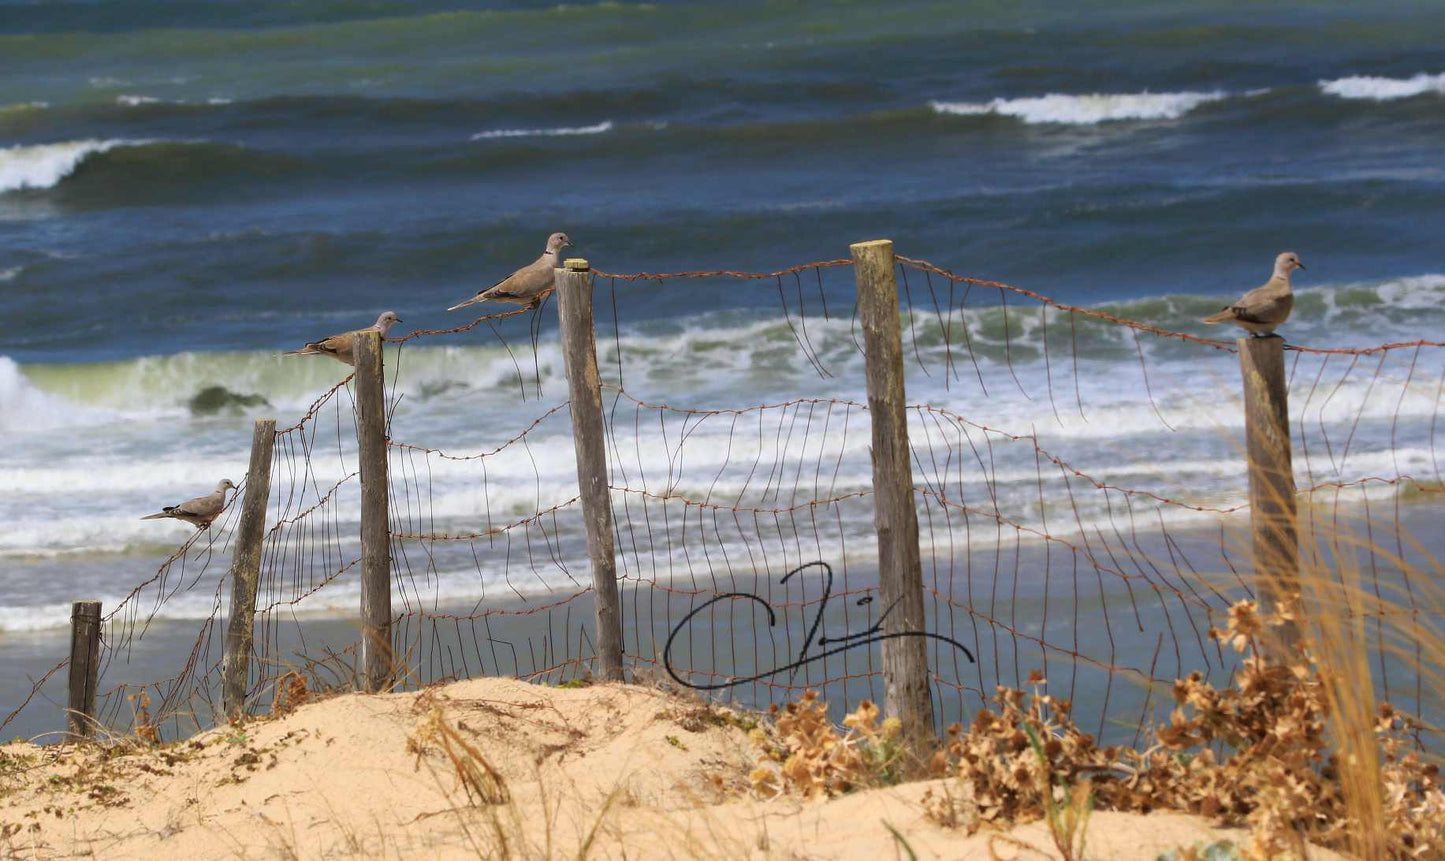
x=338 y=347
x=528 y=285
x=198 y=512
x=1264 y=308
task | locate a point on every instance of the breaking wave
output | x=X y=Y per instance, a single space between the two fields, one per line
x=45 y=165
x=597 y=129
x=1384 y=89
x=1088 y=109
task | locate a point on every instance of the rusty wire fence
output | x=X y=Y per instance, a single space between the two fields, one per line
x=1079 y=479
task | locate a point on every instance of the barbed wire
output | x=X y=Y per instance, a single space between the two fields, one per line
x=1034 y=554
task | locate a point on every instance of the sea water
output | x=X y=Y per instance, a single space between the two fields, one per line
x=188 y=189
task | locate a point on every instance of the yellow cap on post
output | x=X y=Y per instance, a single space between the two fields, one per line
x=576 y=264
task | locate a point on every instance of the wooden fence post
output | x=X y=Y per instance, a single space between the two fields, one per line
x=900 y=570
x=579 y=351
x=1271 y=476
x=84 y=666
x=246 y=568
x=376 y=657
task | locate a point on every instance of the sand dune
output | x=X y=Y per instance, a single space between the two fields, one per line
x=608 y=771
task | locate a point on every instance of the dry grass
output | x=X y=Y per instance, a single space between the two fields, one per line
x=1381 y=757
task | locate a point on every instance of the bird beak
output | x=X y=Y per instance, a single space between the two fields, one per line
x=465 y=304
x=1299 y=264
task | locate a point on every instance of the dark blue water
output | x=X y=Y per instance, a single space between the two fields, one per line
x=340 y=172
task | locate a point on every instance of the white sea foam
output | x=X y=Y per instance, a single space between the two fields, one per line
x=707 y=353
x=23 y=405
x=1384 y=89
x=1088 y=109
x=43 y=617
x=45 y=165
x=9 y=274
x=599 y=128
x=133 y=101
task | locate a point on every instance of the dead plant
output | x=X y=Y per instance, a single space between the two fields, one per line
x=809 y=756
x=483 y=782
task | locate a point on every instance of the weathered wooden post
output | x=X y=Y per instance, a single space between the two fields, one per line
x=84 y=666
x=246 y=568
x=1271 y=476
x=376 y=658
x=900 y=570
x=579 y=352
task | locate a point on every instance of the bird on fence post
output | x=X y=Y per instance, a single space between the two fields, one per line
x=198 y=512
x=528 y=285
x=338 y=347
x=1263 y=309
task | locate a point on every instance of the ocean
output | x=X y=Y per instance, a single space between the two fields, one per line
x=188 y=189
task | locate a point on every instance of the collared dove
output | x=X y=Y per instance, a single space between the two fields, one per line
x=1265 y=307
x=527 y=285
x=198 y=512
x=338 y=347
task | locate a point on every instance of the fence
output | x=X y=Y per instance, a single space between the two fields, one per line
x=896 y=548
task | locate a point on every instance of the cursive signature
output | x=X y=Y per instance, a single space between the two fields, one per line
x=839 y=644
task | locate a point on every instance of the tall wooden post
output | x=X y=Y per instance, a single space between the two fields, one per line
x=1271 y=475
x=246 y=568
x=84 y=666
x=376 y=658
x=579 y=351
x=900 y=570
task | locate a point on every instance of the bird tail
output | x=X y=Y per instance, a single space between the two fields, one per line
x=472 y=301
x=159 y=515
x=308 y=350
x=1222 y=317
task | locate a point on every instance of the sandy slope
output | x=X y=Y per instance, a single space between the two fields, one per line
x=624 y=771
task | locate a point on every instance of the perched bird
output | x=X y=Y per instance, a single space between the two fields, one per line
x=338 y=347
x=528 y=285
x=198 y=512
x=1265 y=307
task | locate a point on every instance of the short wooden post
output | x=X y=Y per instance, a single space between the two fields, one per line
x=900 y=570
x=84 y=666
x=376 y=658
x=579 y=352
x=1271 y=476
x=246 y=568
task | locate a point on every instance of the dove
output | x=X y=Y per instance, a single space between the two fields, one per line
x=528 y=285
x=1265 y=307
x=198 y=512
x=338 y=347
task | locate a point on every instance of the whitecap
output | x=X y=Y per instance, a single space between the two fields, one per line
x=22 y=405
x=1086 y=109
x=599 y=128
x=1383 y=89
x=134 y=101
x=45 y=165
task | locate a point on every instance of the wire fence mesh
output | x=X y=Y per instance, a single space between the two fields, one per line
x=1079 y=479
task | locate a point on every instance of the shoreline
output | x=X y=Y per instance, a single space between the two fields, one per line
x=1042 y=609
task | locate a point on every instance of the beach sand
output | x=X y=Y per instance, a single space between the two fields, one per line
x=607 y=771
